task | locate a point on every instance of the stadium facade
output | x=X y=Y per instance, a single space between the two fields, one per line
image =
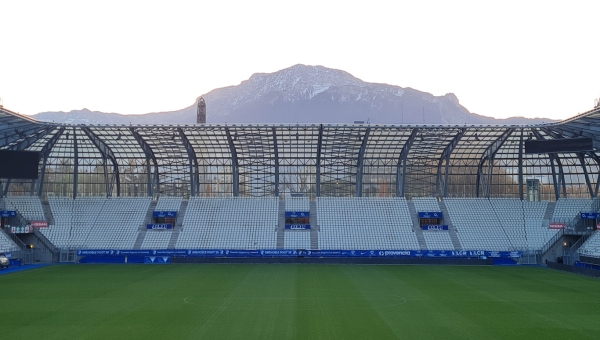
x=317 y=160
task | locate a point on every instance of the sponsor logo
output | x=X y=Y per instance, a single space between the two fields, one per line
x=396 y=253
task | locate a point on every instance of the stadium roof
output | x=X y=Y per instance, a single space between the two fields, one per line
x=316 y=159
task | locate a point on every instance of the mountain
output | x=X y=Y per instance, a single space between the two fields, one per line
x=305 y=94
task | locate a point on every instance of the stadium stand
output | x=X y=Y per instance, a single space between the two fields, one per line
x=30 y=207
x=297 y=240
x=365 y=223
x=568 y=208
x=591 y=247
x=509 y=213
x=232 y=223
x=477 y=224
x=96 y=223
x=426 y=204
x=537 y=232
x=168 y=203
x=6 y=244
x=157 y=239
x=297 y=204
x=435 y=240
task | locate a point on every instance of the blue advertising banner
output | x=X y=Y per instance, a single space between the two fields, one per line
x=159 y=226
x=297 y=214
x=589 y=215
x=157 y=259
x=297 y=226
x=8 y=213
x=172 y=214
x=429 y=214
x=434 y=227
x=303 y=253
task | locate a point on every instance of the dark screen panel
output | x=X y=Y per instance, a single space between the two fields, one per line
x=19 y=164
x=559 y=145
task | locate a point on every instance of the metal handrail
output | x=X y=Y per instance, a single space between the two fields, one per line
x=552 y=241
x=578 y=244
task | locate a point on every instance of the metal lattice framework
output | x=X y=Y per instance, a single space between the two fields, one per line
x=316 y=160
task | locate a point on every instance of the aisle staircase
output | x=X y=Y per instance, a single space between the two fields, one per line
x=314 y=227
x=280 y=225
x=451 y=229
x=416 y=227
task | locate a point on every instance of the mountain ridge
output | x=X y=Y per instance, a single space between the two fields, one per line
x=305 y=94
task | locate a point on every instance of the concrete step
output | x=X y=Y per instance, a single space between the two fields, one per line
x=416 y=227
x=140 y=238
x=280 y=225
x=549 y=211
x=48 y=212
x=451 y=229
x=314 y=226
x=174 y=238
x=180 y=215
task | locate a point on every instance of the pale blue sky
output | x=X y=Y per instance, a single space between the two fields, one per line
x=501 y=58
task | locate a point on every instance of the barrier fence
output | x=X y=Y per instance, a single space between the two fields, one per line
x=267 y=253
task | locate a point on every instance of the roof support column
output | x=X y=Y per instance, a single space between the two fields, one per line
x=75 y=164
x=585 y=174
x=152 y=180
x=235 y=167
x=276 y=165
x=552 y=157
x=193 y=162
x=401 y=166
x=360 y=163
x=520 y=166
x=45 y=153
x=106 y=155
x=597 y=160
x=441 y=185
x=318 y=164
x=489 y=154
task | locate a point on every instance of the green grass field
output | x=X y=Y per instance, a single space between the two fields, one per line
x=297 y=302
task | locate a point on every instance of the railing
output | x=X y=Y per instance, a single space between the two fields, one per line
x=43 y=239
x=551 y=242
x=574 y=254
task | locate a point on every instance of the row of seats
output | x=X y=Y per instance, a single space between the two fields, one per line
x=6 y=244
x=30 y=207
x=345 y=223
x=96 y=223
x=296 y=240
x=591 y=247
x=168 y=203
x=235 y=223
x=297 y=204
x=365 y=223
x=499 y=224
x=568 y=208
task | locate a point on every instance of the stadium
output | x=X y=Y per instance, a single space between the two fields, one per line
x=481 y=211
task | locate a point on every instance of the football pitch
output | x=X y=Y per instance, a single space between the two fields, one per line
x=297 y=302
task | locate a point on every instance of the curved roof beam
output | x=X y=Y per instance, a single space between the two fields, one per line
x=235 y=165
x=194 y=176
x=439 y=186
x=360 y=162
x=149 y=156
x=401 y=165
x=490 y=153
x=107 y=153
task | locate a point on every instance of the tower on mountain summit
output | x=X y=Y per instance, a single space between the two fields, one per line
x=201 y=113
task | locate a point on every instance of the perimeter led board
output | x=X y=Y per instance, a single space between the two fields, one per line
x=19 y=164
x=559 y=145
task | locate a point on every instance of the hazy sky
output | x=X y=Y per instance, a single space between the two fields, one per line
x=501 y=58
